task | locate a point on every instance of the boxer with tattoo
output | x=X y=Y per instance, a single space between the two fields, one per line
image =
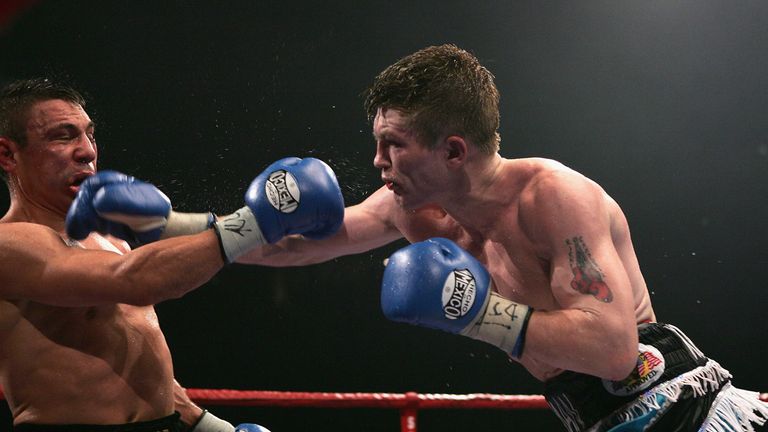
x=524 y=254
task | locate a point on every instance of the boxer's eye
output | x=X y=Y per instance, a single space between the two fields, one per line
x=63 y=138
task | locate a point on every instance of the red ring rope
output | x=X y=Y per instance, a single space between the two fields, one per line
x=364 y=400
x=408 y=403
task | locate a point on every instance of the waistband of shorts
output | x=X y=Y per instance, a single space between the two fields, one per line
x=171 y=423
x=581 y=400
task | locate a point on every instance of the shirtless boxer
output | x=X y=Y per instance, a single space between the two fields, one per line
x=525 y=254
x=80 y=344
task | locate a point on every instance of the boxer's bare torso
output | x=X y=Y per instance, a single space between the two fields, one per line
x=104 y=364
x=520 y=265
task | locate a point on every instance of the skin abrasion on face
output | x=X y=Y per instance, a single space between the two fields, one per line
x=587 y=276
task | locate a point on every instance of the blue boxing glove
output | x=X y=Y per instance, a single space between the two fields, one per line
x=296 y=196
x=210 y=423
x=439 y=285
x=250 y=427
x=82 y=218
x=291 y=196
x=113 y=203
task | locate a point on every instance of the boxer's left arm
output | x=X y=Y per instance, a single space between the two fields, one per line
x=570 y=219
x=437 y=284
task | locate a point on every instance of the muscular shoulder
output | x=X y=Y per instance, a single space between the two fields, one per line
x=26 y=233
x=373 y=221
x=558 y=201
x=382 y=213
x=552 y=183
x=24 y=245
x=32 y=236
x=24 y=250
x=381 y=205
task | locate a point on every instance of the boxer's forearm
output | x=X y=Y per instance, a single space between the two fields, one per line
x=164 y=270
x=292 y=251
x=363 y=230
x=582 y=341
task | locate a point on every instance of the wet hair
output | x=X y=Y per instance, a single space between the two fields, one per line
x=442 y=90
x=18 y=97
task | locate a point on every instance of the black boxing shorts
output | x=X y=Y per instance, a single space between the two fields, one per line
x=674 y=388
x=172 y=423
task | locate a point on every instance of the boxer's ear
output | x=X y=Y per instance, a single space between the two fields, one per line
x=455 y=150
x=8 y=149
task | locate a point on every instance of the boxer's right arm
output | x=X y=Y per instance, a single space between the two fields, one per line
x=366 y=226
x=112 y=203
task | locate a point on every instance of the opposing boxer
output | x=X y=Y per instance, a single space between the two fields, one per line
x=81 y=345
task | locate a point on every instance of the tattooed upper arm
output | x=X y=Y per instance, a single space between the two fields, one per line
x=587 y=276
x=569 y=218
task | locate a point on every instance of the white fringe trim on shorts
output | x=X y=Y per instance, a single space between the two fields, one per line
x=732 y=411
x=735 y=410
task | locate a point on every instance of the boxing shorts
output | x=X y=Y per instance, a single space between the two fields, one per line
x=674 y=388
x=172 y=423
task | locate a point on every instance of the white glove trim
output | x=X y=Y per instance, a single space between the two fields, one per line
x=137 y=223
x=502 y=324
x=210 y=423
x=238 y=233
x=180 y=224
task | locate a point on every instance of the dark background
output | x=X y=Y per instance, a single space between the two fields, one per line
x=664 y=103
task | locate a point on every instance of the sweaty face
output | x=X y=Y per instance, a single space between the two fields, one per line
x=414 y=173
x=60 y=153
